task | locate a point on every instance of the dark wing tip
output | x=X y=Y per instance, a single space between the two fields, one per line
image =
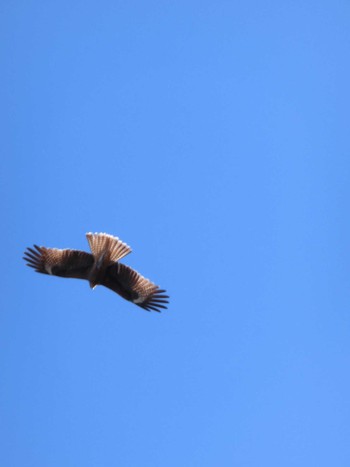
x=156 y=301
x=34 y=258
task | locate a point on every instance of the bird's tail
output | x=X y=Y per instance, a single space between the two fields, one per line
x=107 y=248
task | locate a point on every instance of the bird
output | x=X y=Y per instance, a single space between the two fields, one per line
x=100 y=267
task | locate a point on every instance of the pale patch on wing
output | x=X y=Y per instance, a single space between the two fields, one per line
x=139 y=299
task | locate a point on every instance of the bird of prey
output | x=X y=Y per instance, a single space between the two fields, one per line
x=100 y=267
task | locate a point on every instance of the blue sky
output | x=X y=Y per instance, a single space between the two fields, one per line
x=213 y=138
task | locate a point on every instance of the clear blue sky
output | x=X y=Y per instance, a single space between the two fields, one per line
x=213 y=138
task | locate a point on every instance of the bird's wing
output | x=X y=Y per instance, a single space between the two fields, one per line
x=64 y=263
x=135 y=288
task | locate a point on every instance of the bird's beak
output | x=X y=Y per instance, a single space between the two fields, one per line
x=92 y=285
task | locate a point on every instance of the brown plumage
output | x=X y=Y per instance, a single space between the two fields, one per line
x=101 y=267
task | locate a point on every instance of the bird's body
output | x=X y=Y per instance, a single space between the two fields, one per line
x=100 y=267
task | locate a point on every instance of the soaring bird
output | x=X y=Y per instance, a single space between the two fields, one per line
x=100 y=267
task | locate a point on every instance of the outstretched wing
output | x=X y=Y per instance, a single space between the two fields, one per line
x=63 y=263
x=134 y=287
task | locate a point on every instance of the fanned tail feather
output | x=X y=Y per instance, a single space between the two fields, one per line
x=106 y=247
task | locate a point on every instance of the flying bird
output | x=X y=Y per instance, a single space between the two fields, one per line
x=100 y=267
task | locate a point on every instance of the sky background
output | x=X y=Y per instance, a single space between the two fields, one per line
x=213 y=138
